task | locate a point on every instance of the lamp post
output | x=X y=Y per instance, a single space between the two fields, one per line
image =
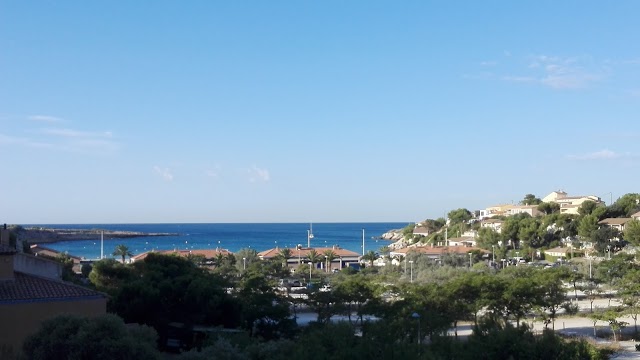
x=411 y=263
x=470 y=263
x=416 y=316
x=244 y=263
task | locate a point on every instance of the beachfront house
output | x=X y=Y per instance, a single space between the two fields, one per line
x=208 y=256
x=615 y=223
x=342 y=257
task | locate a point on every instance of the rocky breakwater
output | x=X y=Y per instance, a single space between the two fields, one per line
x=397 y=237
x=45 y=235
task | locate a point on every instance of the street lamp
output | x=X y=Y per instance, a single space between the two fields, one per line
x=416 y=316
x=244 y=263
x=411 y=262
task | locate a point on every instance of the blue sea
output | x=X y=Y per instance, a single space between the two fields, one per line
x=232 y=237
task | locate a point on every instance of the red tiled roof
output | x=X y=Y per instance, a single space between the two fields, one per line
x=303 y=252
x=33 y=288
x=207 y=253
x=614 y=221
x=438 y=250
x=39 y=249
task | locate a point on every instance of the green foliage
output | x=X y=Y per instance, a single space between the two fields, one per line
x=407 y=231
x=245 y=257
x=109 y=275
x=588 y=207
x=86 y=270
x=530 y=199
x=459 y=216
x=588 y=225
x=105 y=337
x=632 y=232
x=122 y=251
x=167 y=288
x=549 y=208
x=625 y=206
x=264 y=313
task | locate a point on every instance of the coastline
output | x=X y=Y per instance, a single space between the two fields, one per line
x=49 y=235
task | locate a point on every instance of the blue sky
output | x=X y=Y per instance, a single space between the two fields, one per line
x=297 y=111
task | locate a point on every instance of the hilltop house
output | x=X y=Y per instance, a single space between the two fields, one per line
x=616 y=223
x=31 y=291
x=495 y=224
x=570 y=204
x=497 y=210
x=420 y=231
x=343 y=257
x=532 y=210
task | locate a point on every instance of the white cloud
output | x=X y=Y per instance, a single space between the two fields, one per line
x=258 y=174
x=45 y=118
x=12 y=140
x=165 y=173
x=560 y=72
x=70 y=133
x=605 y=154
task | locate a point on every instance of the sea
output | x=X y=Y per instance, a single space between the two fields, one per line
x=233 y=237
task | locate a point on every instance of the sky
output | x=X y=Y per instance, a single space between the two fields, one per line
x=311 y=111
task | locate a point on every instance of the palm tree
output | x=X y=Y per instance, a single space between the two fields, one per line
x=329 y=256
x=285 y=254
x=313 y=256
x=370 y=256
x=122 y=250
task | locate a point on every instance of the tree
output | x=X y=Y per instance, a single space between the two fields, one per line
x=530 y=199
x=329 y=256
x=625 y=206
x=109 y=275
x=123 y=251
x=370 y=256
x=488 y=237
x=459 y=216
x=355 y=290
x=285 y=254
x=104 y=337
x=632 y=232
x=264 y=313
x=245 y=257
x=587 y=207
x=549 y=208
x=588 y=225
x=313 y=257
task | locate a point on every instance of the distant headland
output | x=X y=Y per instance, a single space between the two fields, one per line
x=49 y=235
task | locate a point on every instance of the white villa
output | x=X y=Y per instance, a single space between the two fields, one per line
x=569 y=204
